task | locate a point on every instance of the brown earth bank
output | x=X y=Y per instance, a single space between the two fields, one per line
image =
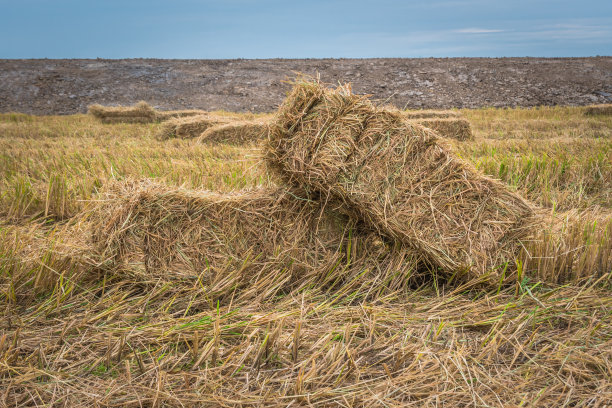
x=68 y=86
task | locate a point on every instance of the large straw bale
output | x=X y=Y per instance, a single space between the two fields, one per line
x=595 y=110
x=398 y=178
x=452 y=128
x=238 y=132
x=147 y=229
x=189 y=127
x=430 y=113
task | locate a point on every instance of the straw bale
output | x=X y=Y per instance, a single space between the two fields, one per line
x=452 y=128
x=189 y=127
x=430 y=114
x=235 y=133
x=142 y=112
x=397 y=178
x=595 y=110
x=147 y=229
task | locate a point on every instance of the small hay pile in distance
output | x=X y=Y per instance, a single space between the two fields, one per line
x=165 y=115
x=147 y=230
x=596 y=110
x=142 y=112
x=397 y=178
x=238 y=132
x=452 y=128
x=189 y=127
x=430 y=113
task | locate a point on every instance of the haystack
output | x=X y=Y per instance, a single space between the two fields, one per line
x=397 y=178
x=147 y=229
x=235 y=132
x=430 y=113
x=142 y=112
x=189 y=127
x=452 y=128
x=595 y=110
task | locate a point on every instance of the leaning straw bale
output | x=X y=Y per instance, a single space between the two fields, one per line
x=596 y=110
x=188 y=127
x=429 y=114
x=149 y=230
x=397 y=178
x=239 y=132
x=452 y=128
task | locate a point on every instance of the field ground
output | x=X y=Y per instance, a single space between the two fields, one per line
x=73 y=334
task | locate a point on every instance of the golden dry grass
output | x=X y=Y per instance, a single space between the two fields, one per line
x=80 y=327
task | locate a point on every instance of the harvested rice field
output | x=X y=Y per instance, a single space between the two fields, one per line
x=331 y=254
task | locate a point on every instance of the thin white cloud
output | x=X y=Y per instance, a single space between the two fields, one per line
x=477 y=31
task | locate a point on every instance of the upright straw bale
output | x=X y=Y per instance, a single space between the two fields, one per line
x=452 y=128
x=238 y=132
x=398 y=178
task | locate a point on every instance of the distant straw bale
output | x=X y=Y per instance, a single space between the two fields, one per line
x=189 y=127
x=397 y=178
x=147 y=229
x=142 y=112
x=239 y=132
x=596 y=110
x=429 y=114
x=165 y=115
x=452 y=128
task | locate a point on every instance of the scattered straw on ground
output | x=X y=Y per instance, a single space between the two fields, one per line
x=397 y=178
x=594 y=110
x=452 y=128
x=238 y=132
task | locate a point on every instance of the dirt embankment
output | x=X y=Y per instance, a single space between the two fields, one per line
x=68 y=86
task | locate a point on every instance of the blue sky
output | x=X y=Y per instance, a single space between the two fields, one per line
x=306 y=29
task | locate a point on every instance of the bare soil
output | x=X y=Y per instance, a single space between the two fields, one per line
x=69 y=86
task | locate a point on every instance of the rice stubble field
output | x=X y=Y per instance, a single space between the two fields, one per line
x=118 y=287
